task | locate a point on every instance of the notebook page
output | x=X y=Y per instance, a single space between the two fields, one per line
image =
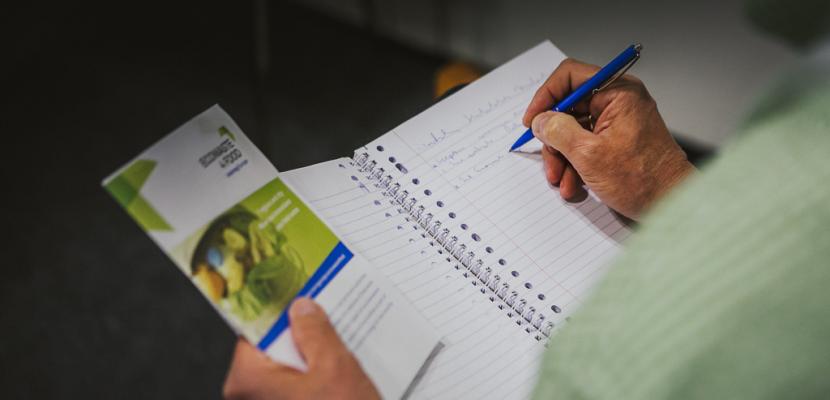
x=486 y=354
x=453 y=158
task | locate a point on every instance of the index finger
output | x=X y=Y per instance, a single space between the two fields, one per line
x=564 y=79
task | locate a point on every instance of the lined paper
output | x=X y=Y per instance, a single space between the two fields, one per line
x=453 y=159
x=486 y=354
x=457 y=151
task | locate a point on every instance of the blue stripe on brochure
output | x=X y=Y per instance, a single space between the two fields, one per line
x=333 y=263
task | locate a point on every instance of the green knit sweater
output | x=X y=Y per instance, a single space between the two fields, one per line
x=724 y=293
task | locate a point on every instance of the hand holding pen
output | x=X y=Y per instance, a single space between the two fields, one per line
x=626 y=155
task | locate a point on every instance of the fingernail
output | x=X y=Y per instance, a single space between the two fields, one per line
x=539 y=122
x=303 y=306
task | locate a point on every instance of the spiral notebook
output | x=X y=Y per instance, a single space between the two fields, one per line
x=472 y=235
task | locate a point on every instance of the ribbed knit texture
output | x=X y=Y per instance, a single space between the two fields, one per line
x=724 y=293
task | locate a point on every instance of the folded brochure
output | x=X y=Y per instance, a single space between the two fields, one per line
x=218 y=208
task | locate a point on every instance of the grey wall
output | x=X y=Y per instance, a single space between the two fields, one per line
x=703 y=61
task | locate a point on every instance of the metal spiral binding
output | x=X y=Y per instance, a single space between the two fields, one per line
x=474 y=267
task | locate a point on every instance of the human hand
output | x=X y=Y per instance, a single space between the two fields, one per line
x=333 y=372
x=629 y=160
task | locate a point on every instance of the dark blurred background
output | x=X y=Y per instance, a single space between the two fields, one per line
x=90 y=306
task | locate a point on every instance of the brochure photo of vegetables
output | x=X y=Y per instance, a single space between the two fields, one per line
x=251 y=261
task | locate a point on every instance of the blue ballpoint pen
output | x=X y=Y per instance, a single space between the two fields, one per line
x=599 y=81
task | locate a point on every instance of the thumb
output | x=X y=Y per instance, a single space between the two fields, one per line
x=560 y=131
x=314 y=335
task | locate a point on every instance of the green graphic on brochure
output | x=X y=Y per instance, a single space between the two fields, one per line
x=253 y=259
x=126 y=188
x=223 y=131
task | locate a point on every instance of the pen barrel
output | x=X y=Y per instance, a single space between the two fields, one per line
x=602 y=76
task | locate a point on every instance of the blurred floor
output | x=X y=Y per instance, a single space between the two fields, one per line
x=90 y=306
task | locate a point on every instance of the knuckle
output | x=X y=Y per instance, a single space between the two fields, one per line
x=635 y=80
x=557 y=122
x=630 y=92
x=642 y=92
x=551 y=126
x=650 y=102
x=567 y=66
x=639 y=90
x=589 y=147
x=633 y=94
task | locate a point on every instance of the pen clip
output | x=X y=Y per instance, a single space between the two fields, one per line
x=622 y=71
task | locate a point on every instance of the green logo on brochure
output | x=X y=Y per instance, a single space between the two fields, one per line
x=226 y=132
x=126 y=188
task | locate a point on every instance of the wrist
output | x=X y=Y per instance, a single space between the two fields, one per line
x=673 y=171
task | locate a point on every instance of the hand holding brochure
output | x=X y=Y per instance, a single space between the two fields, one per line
x=218 y=208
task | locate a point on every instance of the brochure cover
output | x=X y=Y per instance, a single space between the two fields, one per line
x=212 y=201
